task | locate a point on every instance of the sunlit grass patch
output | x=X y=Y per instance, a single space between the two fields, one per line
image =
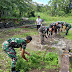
x=69 y=36
x=51 y=19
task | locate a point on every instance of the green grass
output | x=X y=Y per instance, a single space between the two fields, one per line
x=37 y=61
x=50 y=19
x=69 y=36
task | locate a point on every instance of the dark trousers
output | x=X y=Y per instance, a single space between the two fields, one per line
x=38 y=26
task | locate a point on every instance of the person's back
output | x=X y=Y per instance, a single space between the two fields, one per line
x=67 y=25
x=16 y=42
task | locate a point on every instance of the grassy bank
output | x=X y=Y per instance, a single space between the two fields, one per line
x=50 y=19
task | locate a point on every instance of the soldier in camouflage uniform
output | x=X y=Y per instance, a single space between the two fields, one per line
x=53 y=25
x=9 y=45
x=49 y=32
x=60 y=25
x=43 y=30
x=67 y=27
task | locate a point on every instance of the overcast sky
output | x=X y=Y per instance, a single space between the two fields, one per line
x=41 y=1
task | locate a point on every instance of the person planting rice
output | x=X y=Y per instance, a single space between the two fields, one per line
x=9 y=45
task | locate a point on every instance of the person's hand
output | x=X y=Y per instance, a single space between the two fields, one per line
x=41 y=24
x=64 y=30
x=28 y=54
x=47 y=37
x=20 y=49
x=27 y=60
x=52 y=39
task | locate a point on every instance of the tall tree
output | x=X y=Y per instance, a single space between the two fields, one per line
x=60 y=5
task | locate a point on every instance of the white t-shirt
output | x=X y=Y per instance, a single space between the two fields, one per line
x=39 y=21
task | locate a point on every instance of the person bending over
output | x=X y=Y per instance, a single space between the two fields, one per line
x=67 y=27
x=9 y=45
x=42 y=32
x=50 y=32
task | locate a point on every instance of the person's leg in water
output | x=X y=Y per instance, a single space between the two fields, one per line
x=11 y=53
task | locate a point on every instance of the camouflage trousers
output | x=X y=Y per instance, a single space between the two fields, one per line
x=42 y=37
x=67 y=30
x=10 y=52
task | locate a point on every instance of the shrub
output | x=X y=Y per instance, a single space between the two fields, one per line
x=61 y=13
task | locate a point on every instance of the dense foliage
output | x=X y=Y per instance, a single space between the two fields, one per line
x=15 y=8
x=27 y=8
x=60 y=7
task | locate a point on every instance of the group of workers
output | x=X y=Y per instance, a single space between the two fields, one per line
x=48 y=31
x=9 y=45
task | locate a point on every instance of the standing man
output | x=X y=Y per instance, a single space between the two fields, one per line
x=38 y=22
x=9 y=45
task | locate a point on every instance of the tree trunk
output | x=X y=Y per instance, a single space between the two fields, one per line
x=20 y=14
x=0 y=13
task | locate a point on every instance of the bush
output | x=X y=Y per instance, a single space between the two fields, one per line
x=61 y=13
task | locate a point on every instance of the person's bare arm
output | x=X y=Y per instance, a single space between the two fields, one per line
x=20 y=48
x=36 y=22
x=27 y=53
x=22 y=54
x=65 y=28
x=41 y=22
